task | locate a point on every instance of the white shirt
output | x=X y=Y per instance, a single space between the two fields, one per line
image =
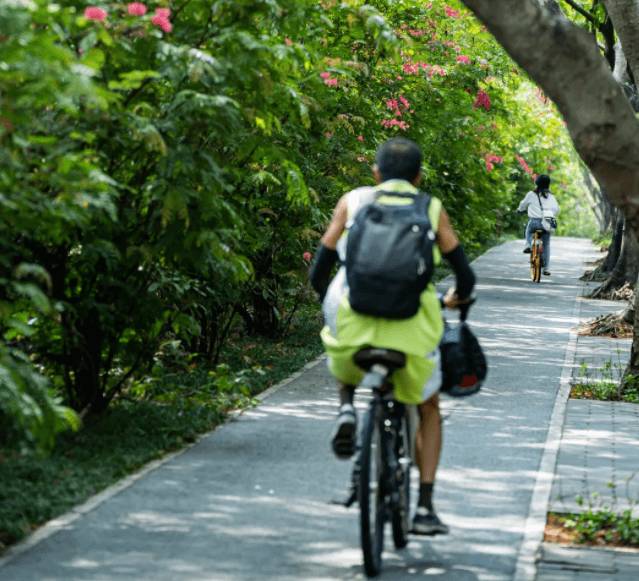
x=531 y=201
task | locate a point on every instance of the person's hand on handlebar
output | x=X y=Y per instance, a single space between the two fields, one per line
x=451 y=301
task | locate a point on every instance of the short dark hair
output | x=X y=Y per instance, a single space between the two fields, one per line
x=399 y=158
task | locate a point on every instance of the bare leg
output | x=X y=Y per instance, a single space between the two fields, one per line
x=429 y=439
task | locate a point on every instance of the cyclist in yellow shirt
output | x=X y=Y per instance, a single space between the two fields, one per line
x=397 y=170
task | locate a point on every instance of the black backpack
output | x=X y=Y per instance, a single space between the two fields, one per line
x=389 y=257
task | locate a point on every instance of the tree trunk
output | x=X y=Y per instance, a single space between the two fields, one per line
x=615 y=246
x=563 y=59
x=633 y=364
x=626 y=270
x=625 y=17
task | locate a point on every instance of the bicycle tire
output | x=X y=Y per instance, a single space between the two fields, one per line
x=538 y=262
x=535 y=261
x=400 y=519
x=371 y=494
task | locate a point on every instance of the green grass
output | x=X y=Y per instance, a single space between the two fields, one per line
x=154 y=416
x=608 y=388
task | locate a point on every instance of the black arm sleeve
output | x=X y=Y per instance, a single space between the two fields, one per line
x=463 y=273
x=325 y=259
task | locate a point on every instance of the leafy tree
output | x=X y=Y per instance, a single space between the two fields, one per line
x=165 y=168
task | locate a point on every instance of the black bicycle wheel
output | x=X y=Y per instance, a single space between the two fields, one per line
x=400 y=520
x=371 y=494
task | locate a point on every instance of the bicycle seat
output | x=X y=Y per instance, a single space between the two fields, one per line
x=369 y=356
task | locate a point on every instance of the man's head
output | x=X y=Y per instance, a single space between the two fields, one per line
x=398 y=158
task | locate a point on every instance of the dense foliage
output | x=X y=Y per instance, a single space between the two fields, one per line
x=166 y=169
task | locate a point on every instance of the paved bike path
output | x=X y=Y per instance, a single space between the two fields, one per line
x=251 y=501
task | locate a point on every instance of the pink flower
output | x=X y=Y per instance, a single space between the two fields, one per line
x=482 y=99
x=330 y=82
x=489 y=166
x=162 y=22
x=163 y=12
x=93 y=13
x=288 y=42
x=325 y=75
x=136 y=8
x=463 y=59
x=307 y=256
x=451 y=13
x=360 y=138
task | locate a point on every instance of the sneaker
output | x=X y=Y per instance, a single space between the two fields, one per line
x=527 y=249
x=547 y=272
x=428 y=523
x=343 y=437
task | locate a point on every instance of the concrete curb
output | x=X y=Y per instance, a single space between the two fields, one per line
x=64 y=520
x=535 y=526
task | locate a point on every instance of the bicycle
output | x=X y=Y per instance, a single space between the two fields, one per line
x=381 y=474
x=536 y=255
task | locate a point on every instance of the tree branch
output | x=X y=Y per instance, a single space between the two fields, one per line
x=581 y=11
x=567 y=65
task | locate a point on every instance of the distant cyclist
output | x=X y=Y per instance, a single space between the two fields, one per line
x=397 y=170
x=541 y=204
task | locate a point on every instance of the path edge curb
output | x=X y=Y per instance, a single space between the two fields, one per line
x=61 y=522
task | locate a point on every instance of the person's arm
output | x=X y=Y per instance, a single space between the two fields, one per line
x=524 y=203
x=453 y=252
x=326 y=255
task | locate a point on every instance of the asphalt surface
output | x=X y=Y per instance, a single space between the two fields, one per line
x=252 y=501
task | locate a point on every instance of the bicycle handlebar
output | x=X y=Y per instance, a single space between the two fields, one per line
x=462 y=308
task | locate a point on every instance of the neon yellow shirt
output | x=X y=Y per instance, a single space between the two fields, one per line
x=416 y=336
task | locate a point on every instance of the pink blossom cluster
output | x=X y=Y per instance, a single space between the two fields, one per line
x=307 y=256
x=490 y=158
x=328 y=80
x=161 y=19
x=523 y=163
x=451 y=13
x=393 y=122
x=482 y=99
x=136 y=9
x=94 y=13
x=412 y=68
x=463 y=59
x=399 y=107
x=449 y=43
